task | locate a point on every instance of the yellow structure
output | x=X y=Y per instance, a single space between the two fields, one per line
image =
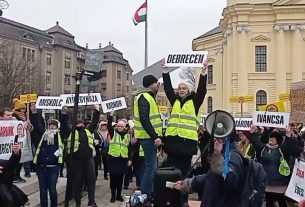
x=257 y=50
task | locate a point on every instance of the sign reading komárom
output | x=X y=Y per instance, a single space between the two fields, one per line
x=194 y=59
x=114 y=104
x=271 y=119
x=84 y=99
x=49 y=102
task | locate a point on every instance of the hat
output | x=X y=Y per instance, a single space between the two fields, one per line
x=79 y=121
x=18 y=104
x=188 y=85
x=54 y=122
x=131 y=124
x=278 y=136
x=148 y=80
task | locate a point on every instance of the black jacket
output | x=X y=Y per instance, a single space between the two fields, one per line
x=176 y=144
x=144 y=108
x=9 y=166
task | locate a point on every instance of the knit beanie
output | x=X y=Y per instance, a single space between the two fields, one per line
x=148 y=80
x=189 y=86
x=18 y=104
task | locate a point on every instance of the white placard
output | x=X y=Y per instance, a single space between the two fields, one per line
x=203 y=118
x=192 y=59
x=271 y=119
x=84 y=99
x=114 y=104
x=243 y=124
x=296 y=185
x=50 y=102
x=8 y=130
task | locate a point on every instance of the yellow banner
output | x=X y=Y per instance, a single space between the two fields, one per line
x=163 y=109
x=284 y=97
x=275 y=107
x=28 y=98
x=249 y=99
x=234 y=99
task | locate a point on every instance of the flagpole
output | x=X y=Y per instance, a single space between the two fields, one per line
x=146 y=39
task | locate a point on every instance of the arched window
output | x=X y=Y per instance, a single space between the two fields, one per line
x=261 y=98
x=210 y=74
x=210 y=104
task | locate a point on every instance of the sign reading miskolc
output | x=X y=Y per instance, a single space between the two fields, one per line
x=50 y=102
x=84 y=99
x=114 y=104
x=192 y=59
x=271 y=119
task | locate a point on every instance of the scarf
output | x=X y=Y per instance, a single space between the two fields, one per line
x=49 y=135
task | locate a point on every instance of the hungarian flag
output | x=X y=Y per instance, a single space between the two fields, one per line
x=140 y=15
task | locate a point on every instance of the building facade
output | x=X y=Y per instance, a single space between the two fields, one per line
x=256 y=51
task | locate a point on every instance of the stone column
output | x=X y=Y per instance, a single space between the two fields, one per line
x=297 y=61
x=280 y=60
x=228 y=69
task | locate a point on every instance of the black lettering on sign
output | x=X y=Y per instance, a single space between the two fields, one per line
x=178 y=58
x=70 y=100
x=298 y=190
x=50 y=102
x=192 y=58
x=182 y=58
x=201 y=58
x=243 y=123
x=187 y=59
x=115 y=104
x=6 y=148
x=270 y=119
x=169 y=59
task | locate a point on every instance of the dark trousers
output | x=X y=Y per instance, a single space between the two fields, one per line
x=83 y=171
x=97 y=161
x=128 y=176
x=47 y=177
x=105 y=164
x=271 y=198
x=138 y=168
x=182 y=162
x=18 y=170
x=116 y=184
x=27 y=167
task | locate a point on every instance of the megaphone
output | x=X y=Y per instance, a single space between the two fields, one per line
x=220 y=124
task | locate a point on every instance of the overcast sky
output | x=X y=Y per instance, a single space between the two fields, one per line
x=172 y=23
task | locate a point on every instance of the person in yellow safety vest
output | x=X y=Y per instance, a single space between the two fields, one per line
x=181 y=137
x=148 y=129
x=245 y=146
x=82 y=163
x=48 y=158
x=119 y=156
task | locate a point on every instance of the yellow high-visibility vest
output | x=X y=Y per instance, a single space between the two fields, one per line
x=76 y=143
x=154 y=116
x=118 y=146
x=183 y=121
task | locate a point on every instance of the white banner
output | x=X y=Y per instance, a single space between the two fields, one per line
x=114 y=104
x=243 y=124
x=193 y=59
x=8 y=130
x=84 y=99
x=50 y=102
x=203 y=118
x=296 y=185
x=271 y=119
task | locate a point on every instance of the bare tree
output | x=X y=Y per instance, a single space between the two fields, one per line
x=188 y=74
x=18 y=72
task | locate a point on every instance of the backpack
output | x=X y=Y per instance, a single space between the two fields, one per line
x=254 y=184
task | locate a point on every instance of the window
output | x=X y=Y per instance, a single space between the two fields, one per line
x=67 y=80
x=118 y=74
x=47 y=93
x=127 y=89
x=119 y=86
x=23 y=52
x=261 y=58
x=103 y=87
x=67 y=63
x=127 y=76
x=28 y=55
x=49 y=59
x=33 y=56
x=261 y=98
x=104 y=73
x=210 y=74
x=210 y=104
x=67 y=92
x=48 y=77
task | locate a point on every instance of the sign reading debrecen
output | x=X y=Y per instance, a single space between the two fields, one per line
x=243 y=123
x=297 y=102
x=271 y=119
x=50 y=102
x=114 y=104
x=84 y=99
x=193 y=59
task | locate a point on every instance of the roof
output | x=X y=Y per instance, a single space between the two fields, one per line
x=12 y=29
x=214 y=31
x=110 y=48
x=58 y=29
x=155 y=69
